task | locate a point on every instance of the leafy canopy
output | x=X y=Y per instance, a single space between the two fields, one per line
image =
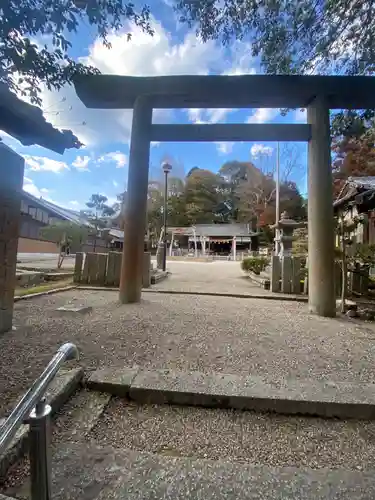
x=35 y=39
x=65 y=233
x=292 y=36
x=99 y=210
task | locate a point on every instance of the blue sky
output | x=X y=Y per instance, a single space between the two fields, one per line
x=101 y=166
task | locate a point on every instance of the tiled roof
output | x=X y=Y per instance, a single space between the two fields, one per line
x=27 y=124
x=364 y=182
x=215 y=230
x=353 y=187
x=64 y=213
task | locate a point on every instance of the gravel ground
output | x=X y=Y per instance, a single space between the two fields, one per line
x=264 y=439
x=273 y=339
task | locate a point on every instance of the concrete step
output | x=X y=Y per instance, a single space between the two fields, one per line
x=73 y=423
x=218 y=390
x=96 y=473
x=59 y=392
x=116 y=449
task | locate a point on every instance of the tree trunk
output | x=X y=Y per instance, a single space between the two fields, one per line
x=344 y=268
x=60 y=258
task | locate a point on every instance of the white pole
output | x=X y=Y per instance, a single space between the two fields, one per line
x=171 y=245
x=195 y=243
x=277 y=242
x=234 y=244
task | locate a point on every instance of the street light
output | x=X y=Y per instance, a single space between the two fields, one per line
x=167 y=167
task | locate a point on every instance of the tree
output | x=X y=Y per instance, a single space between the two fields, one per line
x=354 y=156
x=98 y=214
x=238 y=176
x=27 y=64
x=344 y=230
x=251 y=189
x=119 y=209
x=203 y=195
x=65 y=234
x=292 y=36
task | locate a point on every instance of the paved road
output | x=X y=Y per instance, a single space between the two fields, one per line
x=43 y=260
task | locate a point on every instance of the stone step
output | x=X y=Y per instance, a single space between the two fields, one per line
x=94 y=472
x=217 y=390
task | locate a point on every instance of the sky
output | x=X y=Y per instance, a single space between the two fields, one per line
x=101 y=166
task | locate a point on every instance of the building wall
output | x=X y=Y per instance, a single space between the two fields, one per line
x=30 y=245
x=364 y=233
x=30 y=228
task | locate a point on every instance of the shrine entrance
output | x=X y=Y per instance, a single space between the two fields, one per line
x=317 y=94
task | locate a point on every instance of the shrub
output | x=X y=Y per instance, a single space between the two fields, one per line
x=254 y=264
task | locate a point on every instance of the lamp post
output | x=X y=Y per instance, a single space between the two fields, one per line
x=167 y=167
x=277 y=231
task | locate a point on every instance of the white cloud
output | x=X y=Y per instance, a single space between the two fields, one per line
x=81 y=163
x=195 y=115
x=115 y=184
x=143 y=55
x=30 y=187
x=258 y=150
x=209 y=115
x=262 y=115
x=300 y=116
x=224 y=148
x=155 y=144
x=121 y=159
x=74 y=203
x=218 y=114
x=42 y=163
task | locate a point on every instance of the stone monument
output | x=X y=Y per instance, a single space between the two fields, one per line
x=284 y=266
x=286 y=226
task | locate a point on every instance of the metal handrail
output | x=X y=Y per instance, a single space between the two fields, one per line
x=32 y=406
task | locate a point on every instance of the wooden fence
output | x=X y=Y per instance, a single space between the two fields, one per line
x=104 y=269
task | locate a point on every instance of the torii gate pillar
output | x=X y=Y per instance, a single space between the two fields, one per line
x=320 y=212
x=136 y=204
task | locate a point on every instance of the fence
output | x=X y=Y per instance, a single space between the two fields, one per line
x=104 y=269
x=288 y=275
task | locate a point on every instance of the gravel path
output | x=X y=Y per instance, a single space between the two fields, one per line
x=212 y=277
x=264 y=439
x=264 y=337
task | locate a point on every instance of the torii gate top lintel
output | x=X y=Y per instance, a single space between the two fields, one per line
x=209 y=91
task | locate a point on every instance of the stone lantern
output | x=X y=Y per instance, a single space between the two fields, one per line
x=286 y=226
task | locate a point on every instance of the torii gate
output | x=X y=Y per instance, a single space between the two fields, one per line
x=318 y=94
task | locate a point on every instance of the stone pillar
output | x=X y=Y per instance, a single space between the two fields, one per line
x=146 y=275
x=234 y=246
x=275 y=273
x=78 y=267
x=286 y=274
x=320 y=212
x=136 y=206
x=11 y=175
x=296 y=275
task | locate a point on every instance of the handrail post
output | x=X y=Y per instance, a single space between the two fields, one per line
x=40 y=451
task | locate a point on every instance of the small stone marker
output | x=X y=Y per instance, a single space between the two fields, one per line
x=75 y=309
